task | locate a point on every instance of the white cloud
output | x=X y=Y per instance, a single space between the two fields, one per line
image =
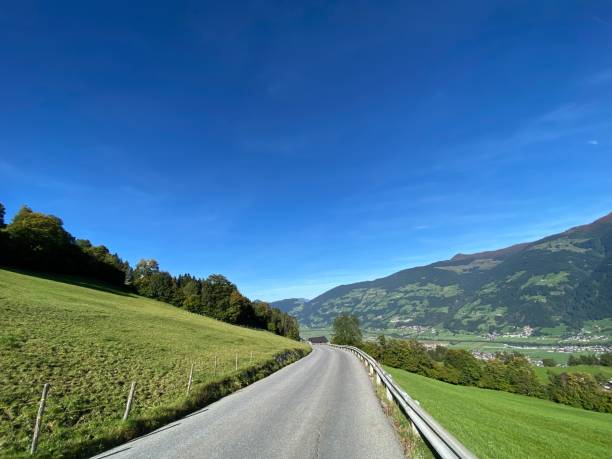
x=593 y=142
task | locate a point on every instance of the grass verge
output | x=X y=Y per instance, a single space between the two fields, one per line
x=412 y=443
x=495 y=424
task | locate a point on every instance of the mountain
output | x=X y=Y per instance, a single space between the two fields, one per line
x=290 y=304
x=562 y=279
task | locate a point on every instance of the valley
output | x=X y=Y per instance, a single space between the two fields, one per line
x=552 y=296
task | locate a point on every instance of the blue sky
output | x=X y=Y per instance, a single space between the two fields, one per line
x=294 y=147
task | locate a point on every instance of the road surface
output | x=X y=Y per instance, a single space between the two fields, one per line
x=322 y=406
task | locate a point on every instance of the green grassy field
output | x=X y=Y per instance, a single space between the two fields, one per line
x=89 y=344
x=499 y=425
x=542 y=372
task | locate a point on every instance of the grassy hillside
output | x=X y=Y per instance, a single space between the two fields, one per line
x=89 y=344
x=503 y=425
x=554 y=285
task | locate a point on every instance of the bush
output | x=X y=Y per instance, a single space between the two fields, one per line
x=580 y=390
x=469 y=368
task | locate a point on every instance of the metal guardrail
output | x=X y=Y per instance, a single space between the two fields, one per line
x=439 y=439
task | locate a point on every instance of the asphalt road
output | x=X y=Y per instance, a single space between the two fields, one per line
x=322 y=406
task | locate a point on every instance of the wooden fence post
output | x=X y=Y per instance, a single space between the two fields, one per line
x=190 y=379
x=236 y=361
x=128 y=405
x=215 y=369
x=41 y=411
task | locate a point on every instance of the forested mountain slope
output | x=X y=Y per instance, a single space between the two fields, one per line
x=561 y=279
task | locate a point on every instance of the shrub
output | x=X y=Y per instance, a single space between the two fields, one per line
x=579 y=390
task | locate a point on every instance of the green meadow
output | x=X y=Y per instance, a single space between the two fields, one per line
x=495 y=424
x=90 y=343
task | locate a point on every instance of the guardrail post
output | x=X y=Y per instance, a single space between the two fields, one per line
x=378 y=381
x=41 y=411
x=388 y=392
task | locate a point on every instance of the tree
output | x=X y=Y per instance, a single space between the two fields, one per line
x=2 y=213
x=494 y=376
x=37 y=241
x=606 y=359
x=192 y=301
x=98 y=262
x=40 y=241
x=466 y=364
x=263 y=313
x=408 y=355
x=520 y=375
x=580 y=390
x=549 y=362
x=240 y=310
x=216 y=292
x=4 y=248
x=346 y=330
x=149 y=281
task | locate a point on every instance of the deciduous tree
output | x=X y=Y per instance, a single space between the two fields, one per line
x=346 y=330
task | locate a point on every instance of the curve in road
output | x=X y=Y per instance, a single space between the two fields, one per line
x=322 y=406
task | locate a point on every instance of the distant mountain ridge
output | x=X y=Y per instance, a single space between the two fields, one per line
x=563 y=279
x=290 y=304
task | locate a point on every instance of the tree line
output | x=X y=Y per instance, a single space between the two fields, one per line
x=39 y=242
x=604 y=360
x=510 y=372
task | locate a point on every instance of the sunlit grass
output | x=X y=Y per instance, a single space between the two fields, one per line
x=495 y=424
x=90 y=344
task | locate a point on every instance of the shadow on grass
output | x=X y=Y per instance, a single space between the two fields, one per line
x=73 y=280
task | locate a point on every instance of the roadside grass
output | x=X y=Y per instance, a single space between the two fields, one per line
x=495 y=424
x=90 y=343
x=542 y=372
x=413 y=445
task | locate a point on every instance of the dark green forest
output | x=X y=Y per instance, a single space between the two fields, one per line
x=38 y=242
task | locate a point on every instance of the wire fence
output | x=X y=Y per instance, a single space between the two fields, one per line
x=67 y=409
